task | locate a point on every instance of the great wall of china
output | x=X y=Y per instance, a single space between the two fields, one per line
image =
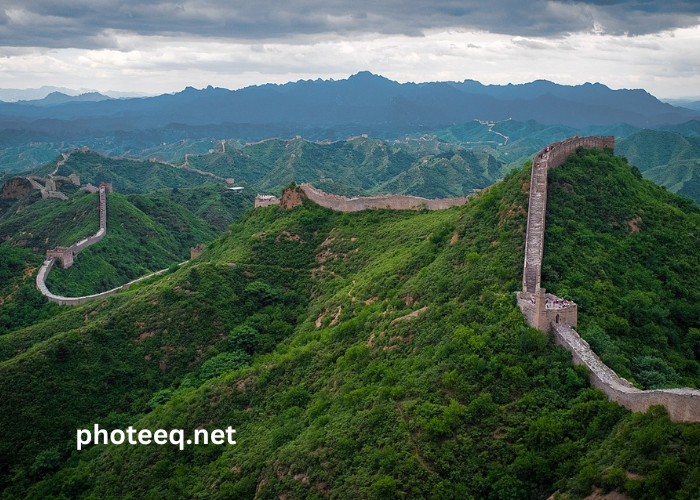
x=356 y=204
x=66 y=255
x=549 y=313
x=542 y=310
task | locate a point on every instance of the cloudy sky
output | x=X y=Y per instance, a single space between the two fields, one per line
x=156 y=46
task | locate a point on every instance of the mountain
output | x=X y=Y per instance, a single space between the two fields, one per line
x=667 y=158
x=690 y=128
x=375 y=354
x=361 y=165
x=127 y=176
x=423 y=167
x=60 y=98
x=14 y=95
x=690 y=103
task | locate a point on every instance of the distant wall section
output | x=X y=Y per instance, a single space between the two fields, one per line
x=392 y=201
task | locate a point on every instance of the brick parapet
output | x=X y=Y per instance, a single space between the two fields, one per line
x=74 y=301
x=266 y=200
x=682 y=405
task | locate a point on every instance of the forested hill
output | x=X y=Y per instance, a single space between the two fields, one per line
x=428 y=167
x=668 y=158
x=146 y=232
x=377 y=354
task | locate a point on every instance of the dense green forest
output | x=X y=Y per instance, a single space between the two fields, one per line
x=377 y=354
x=426 y=167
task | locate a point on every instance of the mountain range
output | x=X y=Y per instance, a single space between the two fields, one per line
x=365 y=103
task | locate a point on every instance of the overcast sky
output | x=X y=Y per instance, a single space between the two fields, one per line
x=157 y=46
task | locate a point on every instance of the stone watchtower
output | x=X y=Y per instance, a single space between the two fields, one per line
x=64 y=254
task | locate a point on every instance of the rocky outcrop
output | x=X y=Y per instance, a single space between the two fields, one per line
x=291 y=197
x=16 y=189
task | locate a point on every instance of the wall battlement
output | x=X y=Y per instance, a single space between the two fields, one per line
x=266 y=200
x=544 y=311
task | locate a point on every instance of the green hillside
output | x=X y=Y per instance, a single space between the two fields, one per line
x=212 y=203
x=512 y=143
x=145 y=233
x=357 y=166
x=627 y=253
x=134 y=246
x=18 y=154
x=667 y=158
x=377 y=354
x=127 y=176
x=690 y=128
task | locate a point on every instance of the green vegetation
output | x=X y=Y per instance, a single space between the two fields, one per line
x=377 y=354
x=145 y=233
x=21 y=304
x=667 y=158
x=134 y=246
x=426 y=167
x=212 y=203
x=627 y=252
x=45 y=223
x=127 y=176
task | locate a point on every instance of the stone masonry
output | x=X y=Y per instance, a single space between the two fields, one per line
x=549 y=313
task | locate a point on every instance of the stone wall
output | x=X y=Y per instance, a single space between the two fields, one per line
x=550 y=157
x=683 y=405
x=394 y=201
x=74 y=301
x=541 y=310
x=53 y=194
x=66 y=254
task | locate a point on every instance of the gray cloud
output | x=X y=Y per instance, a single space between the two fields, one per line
x=93 y=23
